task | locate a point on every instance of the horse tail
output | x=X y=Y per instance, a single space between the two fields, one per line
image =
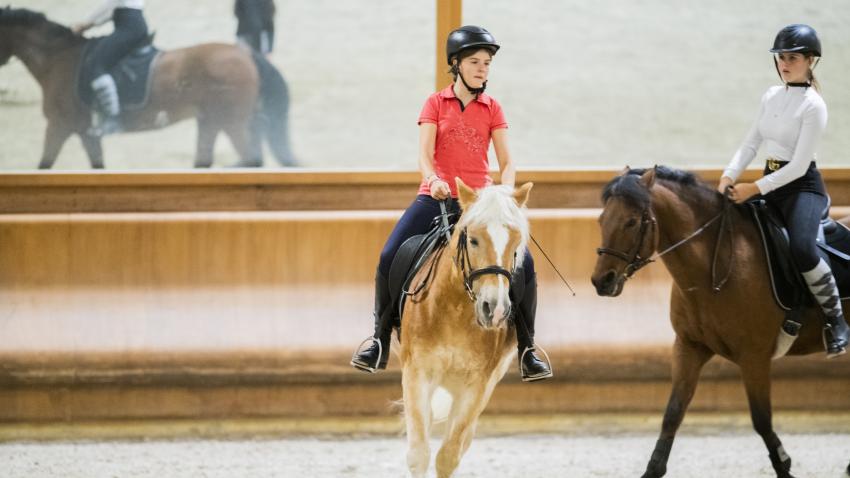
x=272 y=119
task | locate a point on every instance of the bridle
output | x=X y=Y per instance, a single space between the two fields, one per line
x=462 y=262
x=635 y=262
x=633 y=259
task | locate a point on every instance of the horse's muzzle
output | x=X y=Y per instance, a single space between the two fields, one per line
x=491 y=314
x=609 y=285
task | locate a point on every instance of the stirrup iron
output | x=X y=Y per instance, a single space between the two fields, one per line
x=364 y=366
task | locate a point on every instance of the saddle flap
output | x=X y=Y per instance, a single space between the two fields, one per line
x=786 y=283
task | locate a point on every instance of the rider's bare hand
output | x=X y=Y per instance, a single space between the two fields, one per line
x=440 y=190
x=725 y=181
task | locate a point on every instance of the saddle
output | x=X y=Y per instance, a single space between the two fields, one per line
x=132 y=75
x=789 y=290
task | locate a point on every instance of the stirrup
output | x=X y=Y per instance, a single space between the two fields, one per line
x=363 y=365
x=533 y=378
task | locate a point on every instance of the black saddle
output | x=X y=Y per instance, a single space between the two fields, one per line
x=789 y=289
x=132 y=75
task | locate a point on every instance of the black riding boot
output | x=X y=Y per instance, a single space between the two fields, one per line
x=374 y=357
x=531 y=367
x=822 y=286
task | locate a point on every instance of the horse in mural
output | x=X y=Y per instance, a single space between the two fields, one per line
x=225 y=87
x=721 y=300
x=456 y=334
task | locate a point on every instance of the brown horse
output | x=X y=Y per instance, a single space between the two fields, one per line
x=646 y=211
x=455 y=334
x=218 y=84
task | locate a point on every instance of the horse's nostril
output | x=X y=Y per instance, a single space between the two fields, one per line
x=608 y=278
x=485 y=307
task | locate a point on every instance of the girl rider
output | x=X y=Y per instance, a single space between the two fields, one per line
x=455 y=129
x=789 y=123
x=130 y=31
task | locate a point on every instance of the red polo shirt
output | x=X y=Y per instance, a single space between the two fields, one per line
x=463 y=137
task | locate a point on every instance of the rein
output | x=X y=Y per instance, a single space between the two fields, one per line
x=635 y=262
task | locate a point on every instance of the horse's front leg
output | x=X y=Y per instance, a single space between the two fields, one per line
x=418 y=392
x=93 y=148
x=463 y=418
x=756 y=375
x=54 y=137
x=688 y=360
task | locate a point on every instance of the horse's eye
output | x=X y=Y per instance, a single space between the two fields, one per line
x=473 y=242
x=631 y=222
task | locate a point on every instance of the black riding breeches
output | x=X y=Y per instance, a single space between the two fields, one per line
x=418 y=219
x=802 y=213
x=131 y=31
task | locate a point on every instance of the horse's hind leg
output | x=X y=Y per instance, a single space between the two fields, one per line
x=207 y=132
x=54 y=137
x=757 y=383
x=94 y=150
x=688 y=360
x=249 y=150
x=417 y=415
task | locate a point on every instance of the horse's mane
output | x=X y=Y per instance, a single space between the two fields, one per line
x=496 y=205
x=629 y=187
x=29 y=18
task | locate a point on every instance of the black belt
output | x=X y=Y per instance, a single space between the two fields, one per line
x=772 y=164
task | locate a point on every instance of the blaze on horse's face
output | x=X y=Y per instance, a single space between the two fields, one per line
x=627 y=231
x=494 y=241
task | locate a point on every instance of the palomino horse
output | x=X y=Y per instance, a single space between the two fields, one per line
x=219 y=84
x=661 y=209
x=455 y=334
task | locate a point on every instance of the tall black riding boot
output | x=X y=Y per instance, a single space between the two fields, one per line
x=374 y=357
x=531 y=367
x=822 y=285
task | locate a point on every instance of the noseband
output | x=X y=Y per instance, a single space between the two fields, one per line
x=462 y=261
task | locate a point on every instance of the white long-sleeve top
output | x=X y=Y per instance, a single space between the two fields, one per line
x=103 y=13
x=789 y=124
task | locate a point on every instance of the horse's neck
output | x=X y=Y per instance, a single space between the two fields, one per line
x=41 y=56
x=679 y=213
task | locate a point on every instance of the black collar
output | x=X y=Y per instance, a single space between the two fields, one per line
x=803 y=85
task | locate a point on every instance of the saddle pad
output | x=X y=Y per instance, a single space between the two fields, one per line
x=132 y=76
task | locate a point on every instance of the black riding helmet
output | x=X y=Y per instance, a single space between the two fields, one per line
x=796 y=38
x=466 y=37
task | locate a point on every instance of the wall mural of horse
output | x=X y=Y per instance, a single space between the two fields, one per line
x=460 y=340
x=651 y=210
x=224 y=86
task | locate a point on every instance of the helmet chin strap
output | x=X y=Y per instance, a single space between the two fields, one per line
x=474 y=91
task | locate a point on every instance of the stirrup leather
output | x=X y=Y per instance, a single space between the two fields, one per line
x=524 y=374
x=371 y=368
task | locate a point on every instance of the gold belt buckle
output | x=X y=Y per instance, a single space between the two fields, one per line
x=772 y=164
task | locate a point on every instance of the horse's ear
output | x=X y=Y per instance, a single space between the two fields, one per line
x=625 y=171
x=521 y=194
x=465 y=194
x=648 y=178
